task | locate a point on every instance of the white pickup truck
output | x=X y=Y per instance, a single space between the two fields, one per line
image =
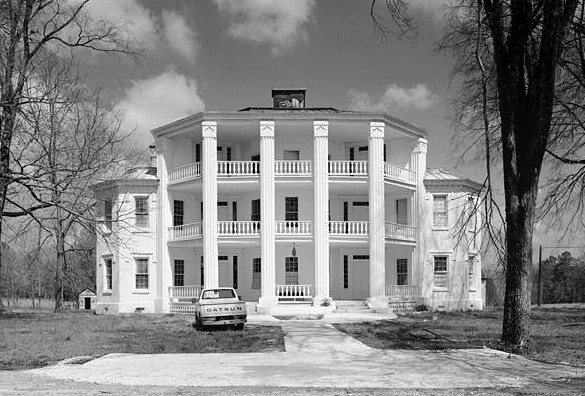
x=220 y=307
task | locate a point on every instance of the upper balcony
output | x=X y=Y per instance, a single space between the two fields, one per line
x=336 y=169
x=298 y=229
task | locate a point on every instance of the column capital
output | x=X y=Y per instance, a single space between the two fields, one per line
x=266 y=128
x=321 y=128
x=377 y=129
x=421 y=145
x=209 y=129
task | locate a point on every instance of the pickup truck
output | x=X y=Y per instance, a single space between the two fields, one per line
x=220 y=307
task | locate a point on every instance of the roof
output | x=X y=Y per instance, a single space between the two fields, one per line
x=144 y=175
x=280 y=110
x=87 y=292
x=438 y=177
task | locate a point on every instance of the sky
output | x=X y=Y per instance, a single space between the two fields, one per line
x=229 y=54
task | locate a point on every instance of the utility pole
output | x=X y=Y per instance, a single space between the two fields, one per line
x=538 y=298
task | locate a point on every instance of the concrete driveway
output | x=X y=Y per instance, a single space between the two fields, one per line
x=318 y=355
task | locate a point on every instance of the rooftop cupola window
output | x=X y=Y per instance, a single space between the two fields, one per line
x=289 y=98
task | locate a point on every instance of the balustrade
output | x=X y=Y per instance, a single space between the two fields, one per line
x=185 y=231
x=348 y=168
x=399 y=173
x=402 y=291
x=400 y=231
x=293 y=168
x=294 y=227
x=185 y=172
x=348 y=227
x=297 y=291
x=183 y=292
x=238 y=227
x=238 y=168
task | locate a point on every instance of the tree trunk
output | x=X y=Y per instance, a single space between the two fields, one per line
x=517 y=300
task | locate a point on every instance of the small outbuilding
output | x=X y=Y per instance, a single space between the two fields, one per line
x=87 y=300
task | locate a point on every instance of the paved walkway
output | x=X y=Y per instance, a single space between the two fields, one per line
x=317 y=355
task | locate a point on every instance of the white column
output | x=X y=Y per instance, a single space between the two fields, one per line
x=163 y=220
x=377 y=215
x=321 y=208
x=267 y=215
x=418 y=161
x=209 y=176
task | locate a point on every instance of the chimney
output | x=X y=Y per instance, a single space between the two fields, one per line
x=293 y=98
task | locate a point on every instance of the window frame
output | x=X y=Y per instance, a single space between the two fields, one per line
x=291 y=209
x=256 y=273
x=255 y=213
x=291 y=153
x=108 y=274
x=177 y=275
x=438 y=274
x=471 y=283
x=141 y=212
x=402 y=203
x=444 y=225
x=402 y=271
x=108 y=214
x=291 y=270
x=178 y=212
x=143 y=275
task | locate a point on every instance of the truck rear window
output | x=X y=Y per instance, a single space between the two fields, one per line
x=218 y=293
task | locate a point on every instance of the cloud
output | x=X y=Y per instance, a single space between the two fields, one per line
x=156 y=101
x=143 y=25
x=179 y=35
x=279 y=23
x=395 y=98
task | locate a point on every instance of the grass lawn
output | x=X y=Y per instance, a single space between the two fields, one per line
x=34 y=339
x=558 y=334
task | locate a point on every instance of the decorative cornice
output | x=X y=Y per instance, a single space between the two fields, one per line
x=421 y=146
x=266 y=128
x=377 y=129
x=209 y=129
x=321 y=128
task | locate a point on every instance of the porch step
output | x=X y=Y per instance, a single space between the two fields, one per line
x=345 y=306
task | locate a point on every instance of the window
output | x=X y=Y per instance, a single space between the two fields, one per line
x=364 y=203
x=179 y=273
x=345 y=272
x=141 y=276
x=440 y=211
x=363 y=148
x=291 y=270
x=256 y=158
x=235 y=272
x=255 y=216
x=178 y=213
x=256 y=273
x=291 y=208
x=141 y=212
x=197 y=152
x=108 y=214
x=401 y=211
x=361 y=256
x=401 y=271
x=202 y=273
x=471 y=272
x=441 y=271
x=472 y=213
x=222 y=203
x=291 y=155
x=108 y=266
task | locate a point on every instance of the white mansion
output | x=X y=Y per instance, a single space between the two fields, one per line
x=288 y=204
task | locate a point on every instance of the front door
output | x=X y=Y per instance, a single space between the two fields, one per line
x=87 y=302
x=225 y=272
x=360 y=278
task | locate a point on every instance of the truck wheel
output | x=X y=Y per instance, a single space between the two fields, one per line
x=240 y=326
x=198 y=323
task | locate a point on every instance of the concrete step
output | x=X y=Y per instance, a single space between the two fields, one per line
x=351 y=306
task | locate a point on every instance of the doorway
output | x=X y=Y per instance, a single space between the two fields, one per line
x=87 y=302
x=225 y=272
x=360 y=277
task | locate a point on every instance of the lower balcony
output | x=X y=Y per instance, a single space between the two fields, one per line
x=402 y=292
x=294 y=293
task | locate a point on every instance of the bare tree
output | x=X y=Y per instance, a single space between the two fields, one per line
x=31 y=31
x=509 y=55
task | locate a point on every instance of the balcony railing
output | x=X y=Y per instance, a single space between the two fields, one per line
x=186 y=231
x=399 y=173
x=348 y=168
x=238 y=168
x=402 y=292
x=177 y=293
x=294 y=227
x=348 y=227
x=400 y=231
x=185 y=172
x=294 y=291
x=238 y=227
x=293 y=168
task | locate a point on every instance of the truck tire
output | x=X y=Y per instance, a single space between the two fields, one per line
x=239 y=326
x=198 y=323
